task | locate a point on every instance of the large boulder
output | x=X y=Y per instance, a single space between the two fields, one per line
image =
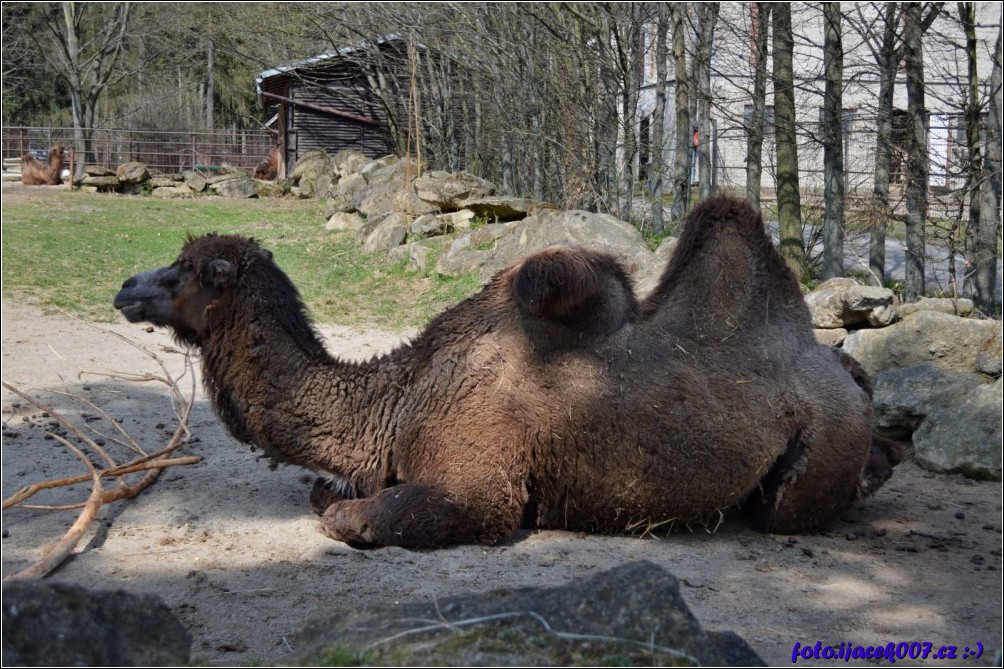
x=633 y=612
x=388 y=234
x=452 y=191
x=239 y=187
x=194 y=180
x=472 y=249
x=351 y=188
x=348 y=161
x=308 y=168
x=602 y=232
x=904 y=397
x=133 y=172
x=501 y=208
x=344 y=221
x=946 y=305
x=964 y=438
x=988 y=358
x=950 y=342
x=61 y=625
x=172 y=191
x=844 y=303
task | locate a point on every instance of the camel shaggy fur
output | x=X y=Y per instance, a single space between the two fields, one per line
x=268 y=169
x=551 y=399
x=36 y=173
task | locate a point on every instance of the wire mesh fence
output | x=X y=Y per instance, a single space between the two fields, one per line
x=165 y=151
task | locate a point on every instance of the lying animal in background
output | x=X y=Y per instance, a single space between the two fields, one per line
x=268 y=169
x=36 y=173
x=551 y=399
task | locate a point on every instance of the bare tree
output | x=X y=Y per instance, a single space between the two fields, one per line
x=988 y=227
x=755 y=122
x=681 y=155
x=707 y=19
x=918 y=161
x=833 y=143
x=657 y=167
x=789 y=207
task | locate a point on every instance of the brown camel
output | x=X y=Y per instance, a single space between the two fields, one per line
x=551 y=399
x=268 y=169
x=36 y=173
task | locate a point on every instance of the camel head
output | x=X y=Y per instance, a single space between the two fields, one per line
x=184 y=295
x=56 y=155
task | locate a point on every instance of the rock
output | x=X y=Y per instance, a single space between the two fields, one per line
x=324 y=183
x=472 y=249
x=310 y=165
x=964 y=439
x=500 y=208
x=830 y=337
x=225 y=175
x=101 y=183
x=452 y=191
x=602 y=232
x=844 y=303
x=339 y=206
x=945 y=305
x=344 y=221
x=351 y=188
x=950 y=342
x=238 y=188
x=391 y=232
x=666 y=249
x=194 y=180
x=348 y=161
x=903 y=398
x=634 y=611
x=132 y=173
x=98 y=171
x=271 y=188
x=420 y=253
x=988 y=358
x=61 y=625
x=172 y=191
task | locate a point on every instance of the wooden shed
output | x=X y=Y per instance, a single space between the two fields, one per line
x=328 y=101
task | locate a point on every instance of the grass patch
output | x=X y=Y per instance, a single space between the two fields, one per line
x=72 y=251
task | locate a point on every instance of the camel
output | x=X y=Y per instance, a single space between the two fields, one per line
x=36 y=173
x=552 y=399
x=268 y=169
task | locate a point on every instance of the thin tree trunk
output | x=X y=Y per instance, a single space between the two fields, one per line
x=789 y=207
x=708 y=18
x=755 y=130
x=833 y=149
x=985 y=243
x=657 y=166
x=889 y=59
x=681 y=157
x=918 y=160
x=210 y=93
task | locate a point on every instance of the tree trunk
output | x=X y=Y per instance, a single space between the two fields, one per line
x=985 y=242
x=888 y=62
x=833 y=148
x=681 y=156
x=657 y=166
x=210 y=92
x=707 y=14
x=918 y=161
x=789 y=207
x=755 y=129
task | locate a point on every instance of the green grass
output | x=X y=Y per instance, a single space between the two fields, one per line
x=71 y=251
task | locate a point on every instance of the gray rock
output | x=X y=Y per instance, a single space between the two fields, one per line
x=472 y=249
x=344 y=221
x=635 y=611
x=60 y=625
x=159 y=181
x=272 y=187
x=195 y=181
x=903 y=398
x=239 y=188
x=602 y=232
x=950 y=342
x=830 y=336
x=431 y=225
x=452 y=190
x=98 y=171
x=499 y=209
x=844 y=303
x=310 y=165
x=348 y=161
x=420 y=253
x=324 y=183
x=133 y=172
x=391 y=232
x=351 y=188
x=988 y=358
x=172 y=191
x=101 y=183
x=339 y=206
x=945 y=305
x=964 y=439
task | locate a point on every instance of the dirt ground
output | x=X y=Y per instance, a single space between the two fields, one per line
x=231 y=546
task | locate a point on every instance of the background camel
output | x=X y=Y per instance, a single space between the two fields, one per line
x=36 y=173
x=550 y=399
x=268 y=169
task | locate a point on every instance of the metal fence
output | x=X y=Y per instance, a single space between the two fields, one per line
x=165 y=151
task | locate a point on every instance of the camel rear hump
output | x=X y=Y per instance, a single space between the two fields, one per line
x=726 y=274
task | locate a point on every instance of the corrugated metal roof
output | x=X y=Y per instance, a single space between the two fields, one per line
x=320 y=58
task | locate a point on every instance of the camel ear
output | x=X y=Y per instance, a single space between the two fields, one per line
x=267 y=254
x=218 y=273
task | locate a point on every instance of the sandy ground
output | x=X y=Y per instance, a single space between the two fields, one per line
x=231 y=546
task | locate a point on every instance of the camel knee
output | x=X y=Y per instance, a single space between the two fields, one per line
x=327 y=491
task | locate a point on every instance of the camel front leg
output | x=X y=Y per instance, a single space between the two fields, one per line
x=416 y=516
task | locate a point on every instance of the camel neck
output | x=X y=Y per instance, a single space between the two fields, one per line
x=275 y=386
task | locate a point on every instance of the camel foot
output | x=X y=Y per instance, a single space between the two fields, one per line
x=327 y=491
x=883 y=456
